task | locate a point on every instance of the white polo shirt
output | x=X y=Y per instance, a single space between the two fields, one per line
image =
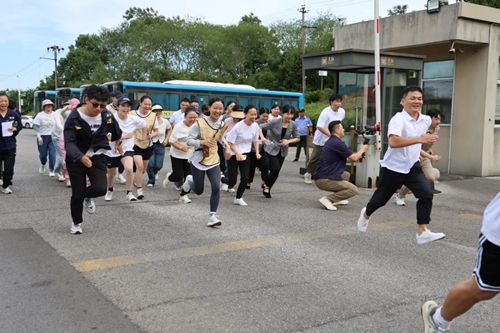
x=177 y=117
x=491 y=221
x=402 y=124
x=325 y=118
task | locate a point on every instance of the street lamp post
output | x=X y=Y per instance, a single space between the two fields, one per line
x=19 y=92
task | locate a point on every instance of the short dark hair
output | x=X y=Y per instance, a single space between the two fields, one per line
x=189 y=108
x=230 y=102
x=194 y=100
x=263 y=110
x=433 y=113
x=12 y=104
x=98 y=93
x=117 y=94
x=410 y=89
x=185 y=100
x=332 y=126
x=287 y=108
x=335 y=97
x=204 y=107
x=276 y=105
x=248 y=108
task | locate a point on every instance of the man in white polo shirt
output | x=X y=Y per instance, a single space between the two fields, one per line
x=482 y=286
x=329 y=114
x=401 y=164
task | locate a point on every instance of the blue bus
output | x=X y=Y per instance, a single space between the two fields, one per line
x=170 y=93
x=64 y=94
x=39 y=96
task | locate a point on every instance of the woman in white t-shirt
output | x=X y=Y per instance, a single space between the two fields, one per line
x=128 y=125
x=180 y=153
x=43 y=125
x=159 y=143
x=241 y=138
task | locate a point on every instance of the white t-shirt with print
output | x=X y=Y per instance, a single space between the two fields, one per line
x=242 y=136
x=46 y=123
x=325 y=118
x=95 y=124
x=180 y=135
x=127 y=126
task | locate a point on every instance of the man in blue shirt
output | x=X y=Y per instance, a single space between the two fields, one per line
x=330 y=174
x=304 y=125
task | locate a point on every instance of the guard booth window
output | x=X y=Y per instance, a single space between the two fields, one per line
x=438 y=87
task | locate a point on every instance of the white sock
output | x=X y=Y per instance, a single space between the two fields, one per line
x=212 y=213
x=440 y=322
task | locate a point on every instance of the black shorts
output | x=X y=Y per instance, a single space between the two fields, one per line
x=116 y=162
x=145 y=153
x=487 y=270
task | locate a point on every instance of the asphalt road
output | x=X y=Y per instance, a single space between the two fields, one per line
x=284 y=264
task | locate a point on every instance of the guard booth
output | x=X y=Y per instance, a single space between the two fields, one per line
x=354 y=79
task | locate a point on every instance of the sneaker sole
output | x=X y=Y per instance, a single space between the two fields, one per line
x=79 y=232
x=434 y=240
x=140 y=197
x=326 y=206
x=215 y=224
x=424 y=312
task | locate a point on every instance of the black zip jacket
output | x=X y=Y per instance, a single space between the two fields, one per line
x=78 y=137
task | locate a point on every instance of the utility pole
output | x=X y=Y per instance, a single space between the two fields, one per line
x=55 y=49
x=19 y=92
x=303 y=10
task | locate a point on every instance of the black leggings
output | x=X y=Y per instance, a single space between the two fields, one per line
x=275 y=164
x=232 y=166
x=180 y=170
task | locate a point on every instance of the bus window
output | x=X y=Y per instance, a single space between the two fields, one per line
x=137 y=99
x=266 y=102
x=203 y=99
x=158 y=97
x=295 y=104
x=276 y=101
x=255 y=101
x=226 y=99
x=172 y=102
x=243 y=101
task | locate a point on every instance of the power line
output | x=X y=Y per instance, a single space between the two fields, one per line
x=20 y=71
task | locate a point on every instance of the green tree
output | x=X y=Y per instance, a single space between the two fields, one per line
x=26 y=99
x=398 y=10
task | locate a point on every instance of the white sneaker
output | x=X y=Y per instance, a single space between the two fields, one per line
x=399 y=201
x=341 y=203
x=108 y=196
x=214 y=221
x=76 y=229
x=89 y=205
x=307 y=178
x=178 y=188
x=231 y=190
x=6 y=190
x=327 y=203
x=52 y=174
x=224 y=187
x=240 y=202
x=41 y=169
x=362 y=222
x=184 y=198
x=130 y=197
x=428 y=236
x=150 y=185
x=186 y=187
x=428 y=310
x=156 y=177
x=1 y=182
x=140 y=194
x=61 y=178
x=166 y=181
x=120 y=179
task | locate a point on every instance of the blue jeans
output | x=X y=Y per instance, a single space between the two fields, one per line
x=59 y=160
x=155 y=162
x=47 y=148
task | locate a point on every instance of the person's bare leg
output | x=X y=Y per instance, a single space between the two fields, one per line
x=139 y=170
x=462 y=297
x=111 y=177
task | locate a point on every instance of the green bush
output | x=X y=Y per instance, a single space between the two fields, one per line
x=312 y=96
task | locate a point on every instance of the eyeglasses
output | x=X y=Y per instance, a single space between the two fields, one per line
x=96 y=105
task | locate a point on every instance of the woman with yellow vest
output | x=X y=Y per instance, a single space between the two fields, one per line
x=143 y=148
x=204 y=135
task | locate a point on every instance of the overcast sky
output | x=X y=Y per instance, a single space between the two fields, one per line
x=30 y=26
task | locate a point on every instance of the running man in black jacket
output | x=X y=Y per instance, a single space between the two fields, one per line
x=87 y=133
